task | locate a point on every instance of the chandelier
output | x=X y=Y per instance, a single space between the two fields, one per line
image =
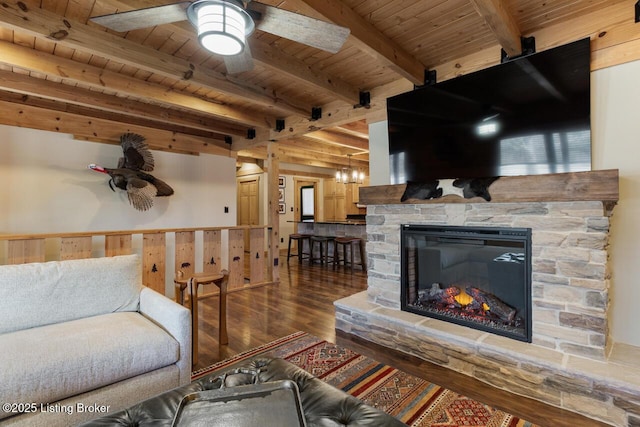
x=350 y=175
x=222 y=25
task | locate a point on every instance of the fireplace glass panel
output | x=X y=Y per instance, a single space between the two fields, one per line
x=472 y=276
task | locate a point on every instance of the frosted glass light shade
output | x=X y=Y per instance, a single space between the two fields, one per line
x=222 y=26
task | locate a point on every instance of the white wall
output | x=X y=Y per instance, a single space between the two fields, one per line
x=379 y=154
x=615 y=119
x=615 y=112
x=286 y=220
x=47 y=188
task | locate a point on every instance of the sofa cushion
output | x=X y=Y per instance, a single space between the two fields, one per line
x=52 y=362
x=38 y=294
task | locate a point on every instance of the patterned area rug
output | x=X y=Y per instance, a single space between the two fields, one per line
x=414 y=401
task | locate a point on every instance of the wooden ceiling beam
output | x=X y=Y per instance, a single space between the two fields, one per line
x=100 y=79
x=307 y=161
x=369 y=39
x=115 y=140
x=267 y=55
x=339 y=139
x=607 y=28
x=334 y=114
x=359 y=129
x=599 y=25
x=300 y=71
x=306 y=174
x=259 y=153
x=501 y=23
x=128 y=110
x=303 y=153
x=320 y=146
x=95 y=129
x=294 y=153
x=44 y=24
x=242 y=159
x=53 y=105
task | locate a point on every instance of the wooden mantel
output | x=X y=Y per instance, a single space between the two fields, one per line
x=600 y=185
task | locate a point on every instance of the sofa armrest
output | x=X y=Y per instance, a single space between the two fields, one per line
x=176 y=320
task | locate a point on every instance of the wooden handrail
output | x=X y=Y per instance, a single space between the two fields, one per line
x=156 y=272
x=120 y=232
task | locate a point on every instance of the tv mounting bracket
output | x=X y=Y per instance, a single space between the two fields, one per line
x=430 y=78
x=528 y=47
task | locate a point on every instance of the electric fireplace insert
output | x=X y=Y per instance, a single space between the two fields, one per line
x=478 y=277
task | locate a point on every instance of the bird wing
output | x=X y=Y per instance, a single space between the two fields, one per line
x=137 y=155
x=141 y=193
x=163 y=188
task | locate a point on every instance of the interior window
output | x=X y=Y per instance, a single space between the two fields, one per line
x=307 y=207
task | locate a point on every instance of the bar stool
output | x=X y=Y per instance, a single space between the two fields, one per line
x=323 y=248
x=348 y=242
x=300 y=239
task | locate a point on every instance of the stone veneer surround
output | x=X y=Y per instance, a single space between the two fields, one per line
x=570 y=280
x=568 y=364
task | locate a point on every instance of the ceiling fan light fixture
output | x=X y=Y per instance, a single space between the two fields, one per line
x=222 y=25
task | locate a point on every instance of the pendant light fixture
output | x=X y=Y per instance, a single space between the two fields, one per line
x=350 y=175
x=222 y=25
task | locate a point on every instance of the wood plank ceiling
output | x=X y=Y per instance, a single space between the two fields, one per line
x=61 y=72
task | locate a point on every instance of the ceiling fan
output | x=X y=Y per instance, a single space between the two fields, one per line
x=223 y=26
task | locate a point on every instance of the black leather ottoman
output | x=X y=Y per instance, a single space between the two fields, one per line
x=322 y=404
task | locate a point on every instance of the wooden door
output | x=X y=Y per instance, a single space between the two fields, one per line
x=248 y=205
x=329 y=199
x=335 y=208
x=340 y=202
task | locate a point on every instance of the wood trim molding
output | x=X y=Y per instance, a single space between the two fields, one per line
x=601 y=185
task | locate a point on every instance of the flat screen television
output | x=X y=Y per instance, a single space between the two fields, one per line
x=527 y=116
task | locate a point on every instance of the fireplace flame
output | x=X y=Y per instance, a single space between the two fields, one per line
x=464 y=299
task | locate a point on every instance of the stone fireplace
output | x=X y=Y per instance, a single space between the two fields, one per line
x=567 y=363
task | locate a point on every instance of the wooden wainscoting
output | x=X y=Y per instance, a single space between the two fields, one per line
x=213 y=241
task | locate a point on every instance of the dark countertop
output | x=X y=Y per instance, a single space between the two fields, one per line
x=347 y=222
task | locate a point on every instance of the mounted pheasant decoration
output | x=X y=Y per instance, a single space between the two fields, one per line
x=131 y=176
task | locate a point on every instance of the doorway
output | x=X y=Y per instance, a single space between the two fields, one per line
x=305 y=187
x=311 y=186
x=248 y=205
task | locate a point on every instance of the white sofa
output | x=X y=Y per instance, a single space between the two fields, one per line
x=82 y=338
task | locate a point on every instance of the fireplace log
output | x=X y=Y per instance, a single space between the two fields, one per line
x=437 y=294
x=496 y=306
x=479 y=300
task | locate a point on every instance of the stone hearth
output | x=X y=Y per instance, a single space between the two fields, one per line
x=571 y=363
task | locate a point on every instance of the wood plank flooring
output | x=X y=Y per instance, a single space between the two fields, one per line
x=303 y=301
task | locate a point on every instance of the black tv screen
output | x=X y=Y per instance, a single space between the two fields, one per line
x=528 y=116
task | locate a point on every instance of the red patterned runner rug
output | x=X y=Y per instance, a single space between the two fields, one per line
x=414 y=401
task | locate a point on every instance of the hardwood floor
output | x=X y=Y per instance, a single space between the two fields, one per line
x=303 y=301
